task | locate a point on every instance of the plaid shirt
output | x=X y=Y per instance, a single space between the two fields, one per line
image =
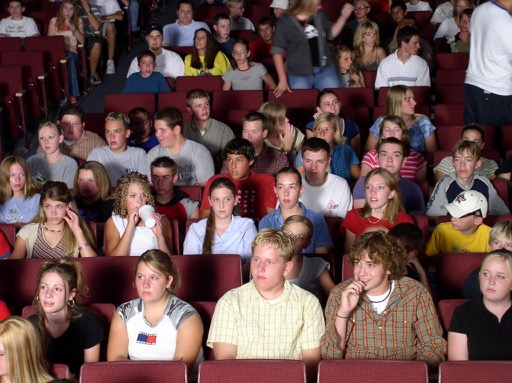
x=407 y=329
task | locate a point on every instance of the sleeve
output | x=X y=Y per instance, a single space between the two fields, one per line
x=346 y=203
x=247 y=238
x=221 y=64
x=381 y=78
x=228 y=76
x=329 y=341
x=128 y=86
x=433 y=247
x=430 y=347
x=178 y=67
x=370 y=159
x=141 y=162
x=445 y=166
x=193 y=240
x=32 y=28
x=224 y=326
x=92 y=331
x=438 y=198
x=265 y=223
x=426 y=126
x=358 y=192
x=437 y=17
x=442 y=30
x=350 y=221
x=163 y=87
x=353 y=160
x=203 y=165
x=506 y=167
x=70 y=172
x=423 y=73
x=323 y=238
x=279 y=43
x=167 y=35
x=298 y=159
x=314 y=325
x=189 y=71
x=134 y=68
x=459 y=320
x=375 y=128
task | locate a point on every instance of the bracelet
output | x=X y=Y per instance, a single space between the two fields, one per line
x=83 y=246
x=341 y=317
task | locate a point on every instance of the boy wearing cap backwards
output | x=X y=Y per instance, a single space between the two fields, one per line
x=466 y=159
x=466 y=233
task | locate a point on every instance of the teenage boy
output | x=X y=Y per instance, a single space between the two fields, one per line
x=260 y=48
x=147 y=80
x=17 y=25
x=255 y=190
x=466 y=233
x=391 y=153
x=222 y=29
x=286 y=320
x=475 y=133
x=195 y=163
x=170 y=201
x=374 y=301
x=181 y=32
x=325 y=193
x=201 y=128
x=118 y=158
x=168 y=63
x=236 y=12
x=466 y=159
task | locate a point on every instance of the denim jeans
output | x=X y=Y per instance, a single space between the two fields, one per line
x=72 y=62
x=486 y=108
x=321 y=79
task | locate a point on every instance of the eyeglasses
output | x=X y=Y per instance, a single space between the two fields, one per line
x=477 y=213
x=360 y=8
x=67 y=124
x=239 y=53
x=301 y=238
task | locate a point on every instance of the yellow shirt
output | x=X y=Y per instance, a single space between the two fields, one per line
x=445 y=239
x=220 y=66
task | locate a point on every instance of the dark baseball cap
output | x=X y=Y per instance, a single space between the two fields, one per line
x=154 y=27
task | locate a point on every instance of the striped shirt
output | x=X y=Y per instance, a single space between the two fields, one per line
x=408 y=328
x=412 y=164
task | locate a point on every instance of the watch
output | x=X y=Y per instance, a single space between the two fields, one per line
x=90 y=12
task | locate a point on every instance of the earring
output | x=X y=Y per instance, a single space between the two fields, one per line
x=71 y=303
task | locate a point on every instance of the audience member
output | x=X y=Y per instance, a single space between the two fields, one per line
x=477 y=330
x=222 y=29
x=414 y=167
x=255 y=191
x=181 y=33
x=361 y=10
x=350 y=76
x=157 y=325
x=279 y=6
x=367 y=50
x=142 y=134
x=288 y=188
x=418 y=6
x=169 y=200
x=58 y=230
x=70 y=334
x=117 y=157
x=327 y=101
x=443 y=11
x=125 y=232
x=310 y=273
x=325 y=193
x=505 y=170
x=224 y=231
x=17 y=25
x=147 y=80
x=451 y=26
x=67 y=23
x=466 y=233
x=301 y=27
x=51 y=165
x=404 y=66
x=460 y=42
x=343 y=159
x=269 y=299
x=91 y=19
x=168 y=63
x=22 y=353
x=383 y=207
x=203 y=129
x=246 y=74
x=374 y=301
x=195 y=163
x=236 y=12
x=466 y=158
x=488 y=89
x=400 y=101
x=260 y=48
x=92 y=192
x=474 y=133
x=391 y=154
x=206 y=58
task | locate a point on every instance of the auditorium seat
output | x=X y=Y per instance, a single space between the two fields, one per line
x=134 y=372
x=475 y=371
x=452 y=270
x=446 y=308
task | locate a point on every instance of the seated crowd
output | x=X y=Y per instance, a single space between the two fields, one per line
x=294 y=202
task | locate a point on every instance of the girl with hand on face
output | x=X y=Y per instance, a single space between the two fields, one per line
x=382 y=210
x=52 y=165
x=125 y=232
x=246 y=74
x=58 y=231
x=223 y=232
x=70 y=25
x=350 y=76
x=414 y=167
x=206 y=58
x=70 y=334
x=19 y=200
x=177 y=326
x=21 y=353
x=480 y=328
x=92 y=192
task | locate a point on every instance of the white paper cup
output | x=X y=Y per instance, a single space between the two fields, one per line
x=146 y=214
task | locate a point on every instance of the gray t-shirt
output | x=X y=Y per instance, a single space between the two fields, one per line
x=42 y=171
x=117 y=164
x=251 y=79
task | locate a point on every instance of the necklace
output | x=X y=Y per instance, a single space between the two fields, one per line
x=387 y=296
x=373 y=223
x=53 y=231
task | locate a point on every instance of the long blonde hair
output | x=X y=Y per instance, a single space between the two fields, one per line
x=275 y=113
x=5 y=187
x=394 y=98
x=365 y=26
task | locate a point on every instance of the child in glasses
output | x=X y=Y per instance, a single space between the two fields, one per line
x=245 y=74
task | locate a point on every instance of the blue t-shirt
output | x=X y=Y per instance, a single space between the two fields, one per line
x=153 y=84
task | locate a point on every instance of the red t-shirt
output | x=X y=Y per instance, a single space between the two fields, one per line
x=4 y=311
x=358 y=225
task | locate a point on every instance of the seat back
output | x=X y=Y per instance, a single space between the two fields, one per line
x=355 y=96
x=237 y=99
x=59 y=371
x=475 y=371
x=134 y=372
x=12 y=44
x=205 y=310
x=452 y=60
x=300 y=98
x=122 y=102
x=449 y=114
x=347 y=268
x=446 y=308
x=452 y=271
x=450 y=94
x=207 y=83
x=176 y=99
x=252 y=371
x=370 y=371
x=9 y=232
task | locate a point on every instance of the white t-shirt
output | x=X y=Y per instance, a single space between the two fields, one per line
x=421 y=6
x=25 y=27
x=332 y=199
x=168 y=63
x=106 y=7
x=117 y=164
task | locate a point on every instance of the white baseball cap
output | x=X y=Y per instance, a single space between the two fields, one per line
x=279 y=4
x=467 y=202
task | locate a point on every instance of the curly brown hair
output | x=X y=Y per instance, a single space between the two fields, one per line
x=122 y=191
x=381 y=248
